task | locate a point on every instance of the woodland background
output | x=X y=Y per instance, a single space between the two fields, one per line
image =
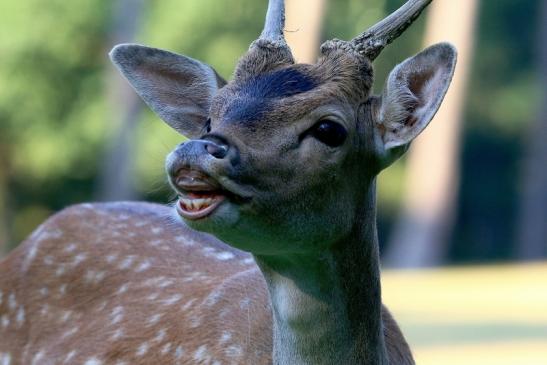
x=71 y=130
x=471 y=190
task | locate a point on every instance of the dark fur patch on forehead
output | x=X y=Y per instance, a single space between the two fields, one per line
x=255 y=96
x=278 y=84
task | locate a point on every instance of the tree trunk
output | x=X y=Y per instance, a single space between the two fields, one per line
x=303 y=28
x=117 y=172
x=532 y=221
x=422 y=233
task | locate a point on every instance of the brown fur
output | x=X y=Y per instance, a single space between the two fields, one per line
x=224 y=296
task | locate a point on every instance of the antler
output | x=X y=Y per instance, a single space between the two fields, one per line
x=275 y=21
x=270 y=50
x=371 y=42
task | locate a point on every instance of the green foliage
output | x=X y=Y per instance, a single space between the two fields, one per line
x=55 y=119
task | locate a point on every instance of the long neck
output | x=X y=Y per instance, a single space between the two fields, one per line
x=327 y=306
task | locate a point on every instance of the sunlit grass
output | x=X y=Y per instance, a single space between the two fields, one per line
x=476 y=315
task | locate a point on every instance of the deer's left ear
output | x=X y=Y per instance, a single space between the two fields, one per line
x=177 y=88
x=413 y=93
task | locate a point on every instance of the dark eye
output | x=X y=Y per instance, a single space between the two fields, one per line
x=330 y=133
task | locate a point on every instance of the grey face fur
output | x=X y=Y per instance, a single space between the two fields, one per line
x=296 y=188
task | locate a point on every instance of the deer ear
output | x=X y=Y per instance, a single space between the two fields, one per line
x=413 y=94
x=178 y=89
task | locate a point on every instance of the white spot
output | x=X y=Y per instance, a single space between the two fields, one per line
x=127 y=262
x=111 y=258
x=160 y=335
x=66 y=316
x=117 y=314
x=70 y=248
x=123 y=217
x=62 y=289
x=69 y=356
x=223 y=256
x=60 y=270
x=5 y=321
x=160 y=281
x=157 y=230
x=93 y=361
x=145 y=265
x=165 y=283
x=20 y=316
x=188 y=304
x=201 y=353
x=44 y=291
x=48 y=260
x=179 y=352
x=165 y=349
x=244 y=303
x=226 y=336
x=233 y=351
x=155 y=318
x=44 y=309
x=95 y=277
x=172 y=299
x=99 y=276
x=5 y=359
x=213 y=298
x=143 y=349
x=123 y=289
x=185 y=241
x=102 y=306
x=248 y=261
x=155 y=243
x=153 y=296
x=41 y=234
x=195 y=322
x=79 y=258
x=12 y=302
x=117 y=334
x=1 y=296
x=36 y=359
x=70 y=332
x=140 y=224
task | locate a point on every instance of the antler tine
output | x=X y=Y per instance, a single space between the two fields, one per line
x=372 y=42
x=275 y=21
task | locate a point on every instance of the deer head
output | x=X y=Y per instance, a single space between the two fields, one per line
x=281 y=157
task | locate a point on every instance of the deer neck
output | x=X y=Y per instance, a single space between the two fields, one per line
x=327 y=306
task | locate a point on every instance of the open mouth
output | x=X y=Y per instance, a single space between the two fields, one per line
x=199 y=204
x=200 y=194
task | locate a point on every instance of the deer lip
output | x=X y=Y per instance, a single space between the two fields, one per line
x=196 y=205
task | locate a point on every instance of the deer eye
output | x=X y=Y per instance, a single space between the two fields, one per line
x=330 y=133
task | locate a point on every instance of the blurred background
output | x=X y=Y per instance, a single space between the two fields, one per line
x=472 y=189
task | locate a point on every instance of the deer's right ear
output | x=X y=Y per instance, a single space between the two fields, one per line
x=178 y=89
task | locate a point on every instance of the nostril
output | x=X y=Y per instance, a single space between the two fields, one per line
x=216 y=150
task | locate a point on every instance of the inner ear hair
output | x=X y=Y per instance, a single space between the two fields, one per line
x=413 y=94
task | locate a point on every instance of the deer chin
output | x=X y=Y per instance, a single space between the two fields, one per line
x=199 y=205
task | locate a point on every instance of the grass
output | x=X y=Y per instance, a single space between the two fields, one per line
x=476 y=315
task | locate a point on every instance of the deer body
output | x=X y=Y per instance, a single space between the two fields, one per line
x=143 y=291
x=281 y=163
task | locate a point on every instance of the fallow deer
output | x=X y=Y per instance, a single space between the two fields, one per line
x=280 y=168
